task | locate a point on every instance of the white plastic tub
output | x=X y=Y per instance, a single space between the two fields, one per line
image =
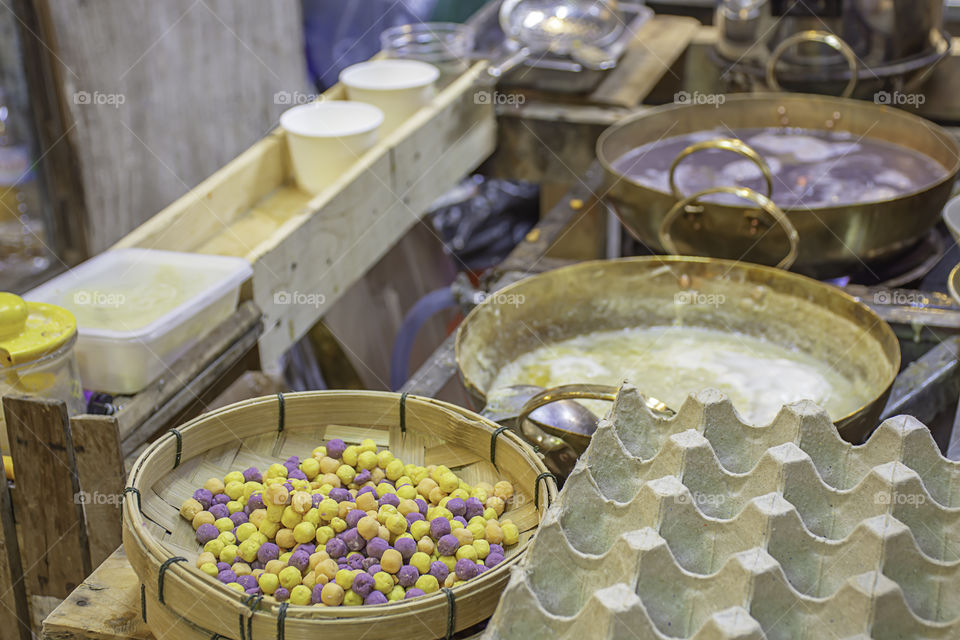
x=138 y=310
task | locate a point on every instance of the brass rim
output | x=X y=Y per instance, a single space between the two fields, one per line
x=953 y=283
x=765 y=204
x=726 y=144
x=813 y=35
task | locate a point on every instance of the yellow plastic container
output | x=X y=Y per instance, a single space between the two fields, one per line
x=36 y=354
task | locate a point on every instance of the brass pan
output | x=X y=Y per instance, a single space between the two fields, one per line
x=832 y=239
x=764 y=302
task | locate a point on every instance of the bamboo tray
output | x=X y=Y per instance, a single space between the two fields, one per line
x=179 y=597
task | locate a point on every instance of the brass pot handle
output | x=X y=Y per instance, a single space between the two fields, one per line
x=576 y=392
x=813 y=35
x=727 y=144
x=765 y=203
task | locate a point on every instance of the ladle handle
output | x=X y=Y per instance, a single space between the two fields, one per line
x=572 y=392
x=511 y=62
x=813 y=35
x=726 y=144
x=765 y=203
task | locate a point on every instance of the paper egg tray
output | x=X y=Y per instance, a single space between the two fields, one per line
x=703 y=527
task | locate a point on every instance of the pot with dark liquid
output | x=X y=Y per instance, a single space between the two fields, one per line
x=838 y=223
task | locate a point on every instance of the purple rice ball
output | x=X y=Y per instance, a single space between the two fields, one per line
x=226 y=576
x=422 y=506
x=221 y=498
x=300 y=560
x=439 y=527
x=297 y=474
x=255 y=501
x=289 y=488
x=219 y=511
x=316 y=499
x=315 y=594
x=239 y=518
x=340 y=495
x=408 y=575
x=335 y=448
x=374 y=569
x=253 y=592
x=457 y=506
x=363 y=584
x=496 y=548
x=247 y=582
x=294 y=460
x=413 y=593
x=376 y=547
x=406 y=546
x=482 y=568
x=354 y=516
x=412 y=517
x=472 y=508
x=281 y=594
x=268 y=551
x=375 y=597
x=369 y=562
x=204 y=497
x=336 y=548
x=363 y=477
x=222 y=566
x=309 y=547
x=367 y=489
x=465 y=569
x=355 y=561
x=439 y=570
x=447 y=545
x=390 y=499
x=461 y=520
x=354 y=541
x=252 y=474
x=256 y=564
x=206 y=532
x=493 y=560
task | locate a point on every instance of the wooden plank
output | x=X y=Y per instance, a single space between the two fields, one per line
x=55 y=553
x=106 y=606
x=229 y=56
x=96 y=445
x=353 y=224
x=14 y=610
x=656 y=46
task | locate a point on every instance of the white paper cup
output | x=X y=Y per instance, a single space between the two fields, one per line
x=399 y=87
x=325 y=138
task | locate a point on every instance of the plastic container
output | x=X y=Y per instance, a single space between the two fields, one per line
x=399 y=88
x=37 y=354
x=326 y=138
x=138 y=310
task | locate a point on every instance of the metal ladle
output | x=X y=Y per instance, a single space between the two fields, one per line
x=578 y=28
x=552 y=418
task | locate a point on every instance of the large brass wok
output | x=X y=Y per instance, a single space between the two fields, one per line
x=831 y=239
x=772 y=304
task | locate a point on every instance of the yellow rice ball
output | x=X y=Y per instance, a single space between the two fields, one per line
x=368 y=445
x=310 y=468
x=268 y=582
x=427 y=583
x=290 y=577
x=367 y=460
x=304 y=532
x=350 y=455
x=352 y=599
x=300 y=594
x=210 y=569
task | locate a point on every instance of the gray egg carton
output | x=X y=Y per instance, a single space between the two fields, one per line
x=703 y=527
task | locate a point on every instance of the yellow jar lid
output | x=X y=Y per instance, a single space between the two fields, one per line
x=30 y=330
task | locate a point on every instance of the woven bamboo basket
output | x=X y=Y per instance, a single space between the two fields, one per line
x=179 y=598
